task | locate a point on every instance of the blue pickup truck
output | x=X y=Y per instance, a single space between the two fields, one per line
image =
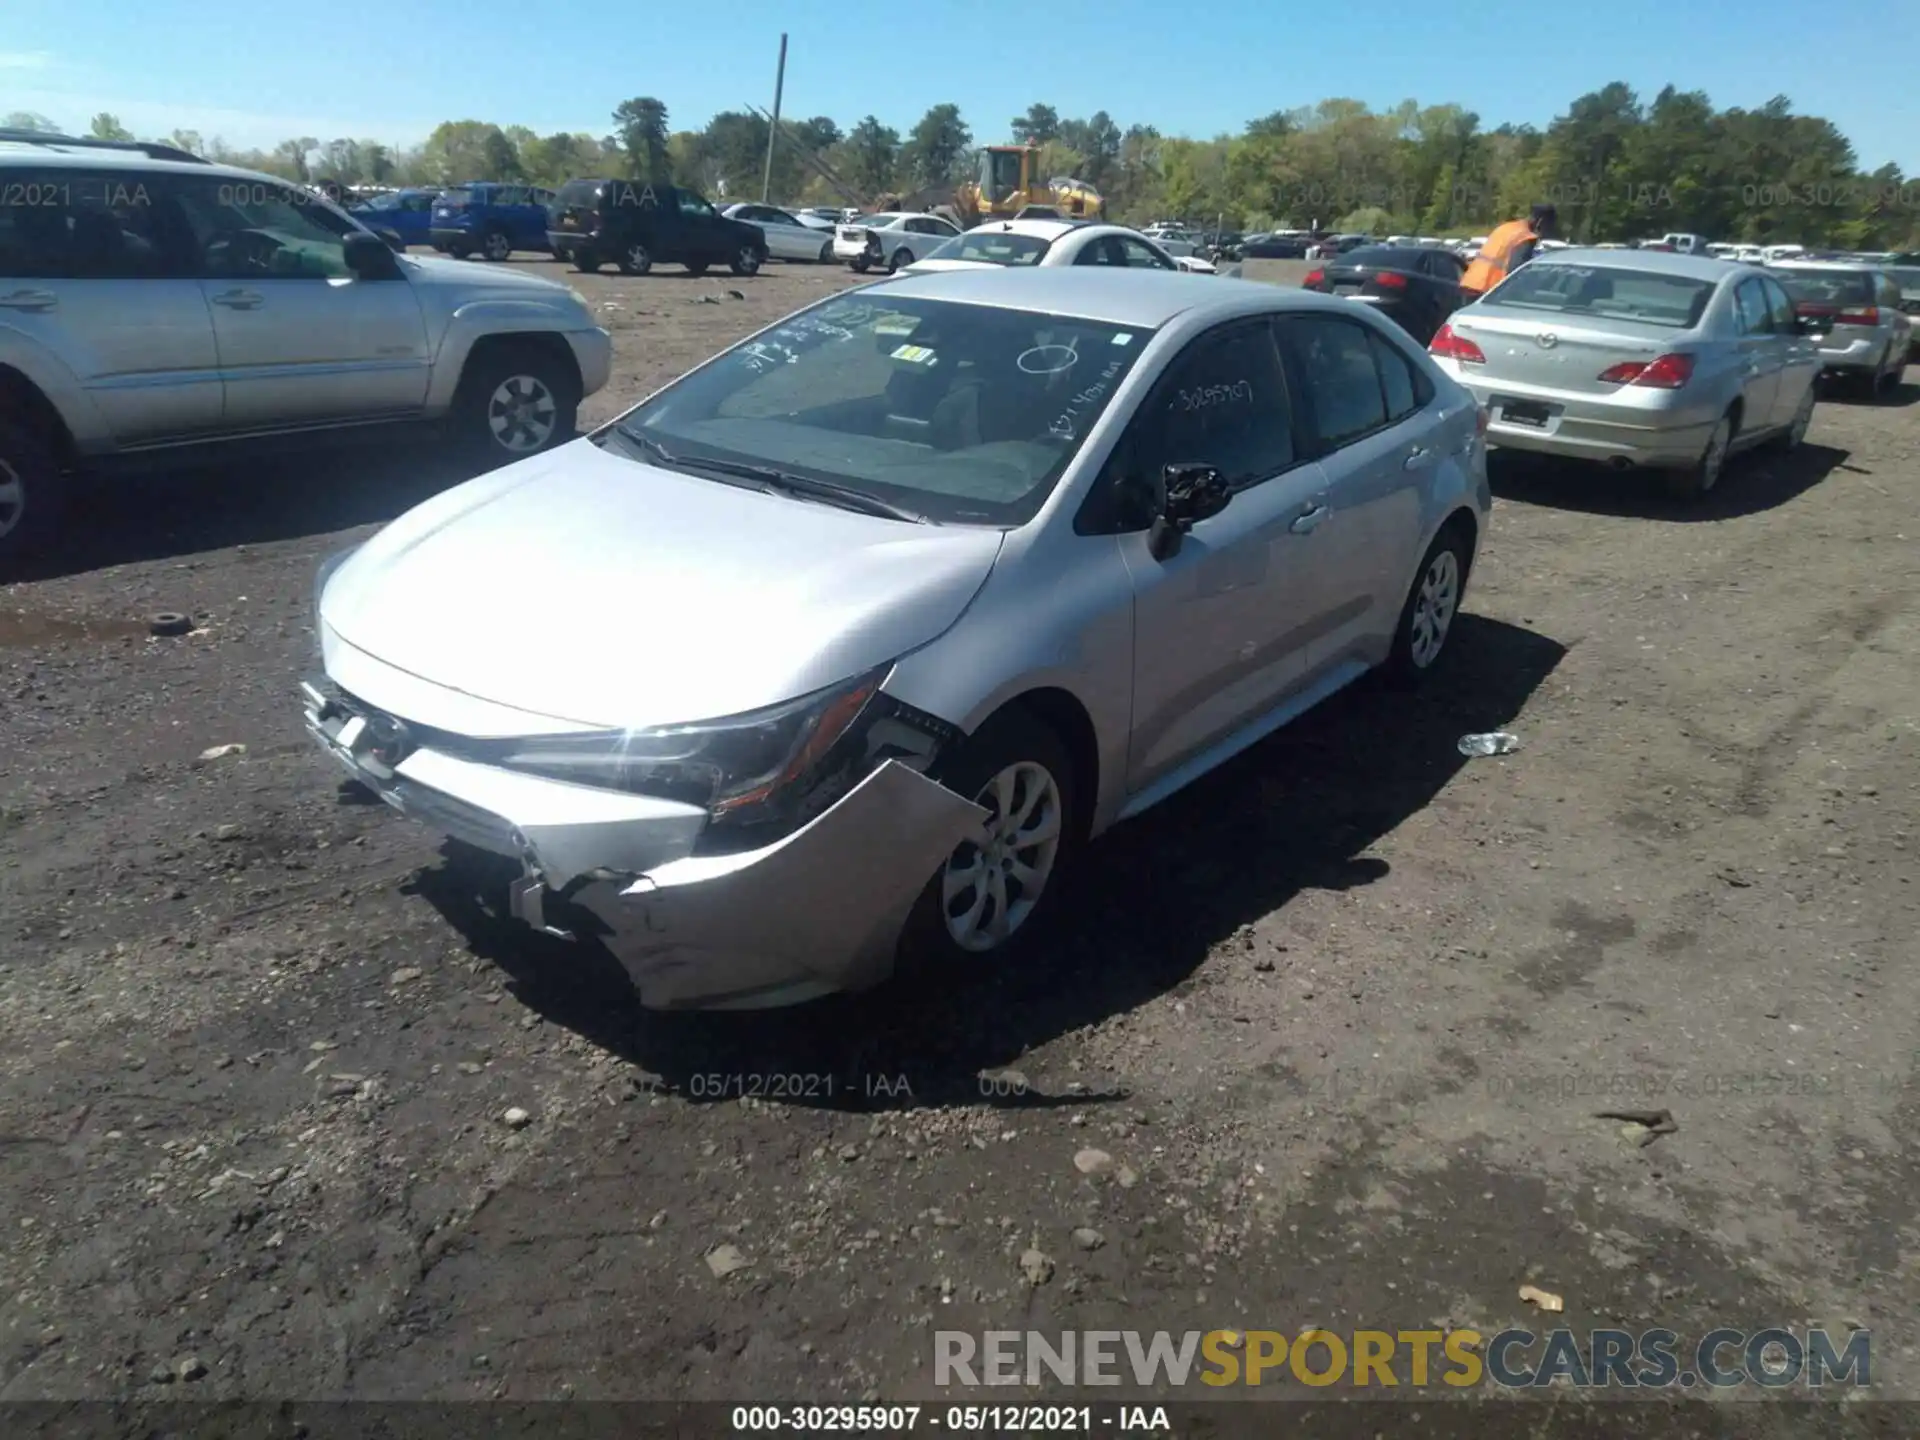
x=490 y=219
x=405 y=212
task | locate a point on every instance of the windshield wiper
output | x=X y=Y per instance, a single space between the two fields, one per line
x=781 y=481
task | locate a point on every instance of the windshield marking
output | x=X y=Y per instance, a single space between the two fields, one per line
x=1053 y=364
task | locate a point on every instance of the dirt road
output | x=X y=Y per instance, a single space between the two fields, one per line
x=1338 y=1018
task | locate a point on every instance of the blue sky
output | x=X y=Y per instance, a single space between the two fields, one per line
x=330 y=69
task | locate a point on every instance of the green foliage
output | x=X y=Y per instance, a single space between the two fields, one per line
x=1617 y=167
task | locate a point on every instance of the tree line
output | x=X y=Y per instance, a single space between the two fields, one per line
x=1616 y=166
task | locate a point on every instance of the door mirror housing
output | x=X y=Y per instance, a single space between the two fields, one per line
x=1190 y=493
x=1804 y=326
x=368 y=256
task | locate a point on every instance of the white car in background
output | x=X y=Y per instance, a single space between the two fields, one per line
x=788 y=237
x=891 y=240
x=1054 y=242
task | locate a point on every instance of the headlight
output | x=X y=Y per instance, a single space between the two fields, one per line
x=763 y=772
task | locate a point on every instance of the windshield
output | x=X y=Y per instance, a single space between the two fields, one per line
x=453 y=199
x=1646 y=297
x=380 y=202
x=993 y=248
x=577 y=194
x=1828 y=287
x=1908 y=278
x=967 y=414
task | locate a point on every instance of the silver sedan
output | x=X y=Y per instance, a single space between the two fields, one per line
x=1635 y=358
x=788 y=236
x=833 y=653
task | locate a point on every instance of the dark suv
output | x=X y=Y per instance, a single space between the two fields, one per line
x=633 y=223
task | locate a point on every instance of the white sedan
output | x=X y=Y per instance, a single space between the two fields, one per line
x=1057 y=242
x=891 y=240
x=788 y=237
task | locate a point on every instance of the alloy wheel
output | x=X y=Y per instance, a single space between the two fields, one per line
x=990 y=886
x=498 y=246
x=13 y=498
x=521 y=414
x=1433 y=609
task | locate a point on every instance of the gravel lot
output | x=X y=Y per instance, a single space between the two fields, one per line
x=1339 y=1017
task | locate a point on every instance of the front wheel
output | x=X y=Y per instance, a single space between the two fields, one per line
x=636 y=259
x=902 y=258
x=859 y=267
x=515 y=402
x=747 y=261
x=826 y=253
x=496 y=245
x=1426 y=619
x=986 y=899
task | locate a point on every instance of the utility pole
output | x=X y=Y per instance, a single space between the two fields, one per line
x=773 y=130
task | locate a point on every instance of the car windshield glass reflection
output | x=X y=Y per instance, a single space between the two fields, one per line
x=964 y=413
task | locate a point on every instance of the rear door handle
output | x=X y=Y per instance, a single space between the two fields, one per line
x=1309 y=521
x=1416 y=457
x=29 y=300
x=239 y=299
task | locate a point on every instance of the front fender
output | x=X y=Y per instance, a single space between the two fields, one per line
x=481 y=319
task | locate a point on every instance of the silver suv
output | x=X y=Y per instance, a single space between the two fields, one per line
x=155 y=307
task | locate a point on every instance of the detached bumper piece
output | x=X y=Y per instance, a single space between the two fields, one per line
x=818 y=911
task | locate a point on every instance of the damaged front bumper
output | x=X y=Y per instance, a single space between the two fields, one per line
x=817 y=911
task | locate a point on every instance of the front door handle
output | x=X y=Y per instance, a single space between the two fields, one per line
x=30 y=300
x=239 y=299
x=1416 y=457
x=1309 y=521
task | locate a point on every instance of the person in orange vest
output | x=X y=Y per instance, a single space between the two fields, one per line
x=1508 y=248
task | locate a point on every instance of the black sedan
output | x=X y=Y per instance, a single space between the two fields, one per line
x=1276 y=247
x=1417 y=286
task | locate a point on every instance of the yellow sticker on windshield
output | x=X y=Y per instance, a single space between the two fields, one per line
x=914 y=354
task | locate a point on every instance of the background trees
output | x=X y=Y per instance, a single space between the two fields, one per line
x=1617 y=165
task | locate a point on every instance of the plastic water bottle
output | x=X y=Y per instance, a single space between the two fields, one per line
x=1494 y=742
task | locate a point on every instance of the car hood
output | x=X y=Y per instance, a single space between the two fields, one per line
x=604 y=592
x=442 y=270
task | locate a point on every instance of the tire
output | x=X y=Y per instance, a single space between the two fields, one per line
x=1699 y=478
x=826 y=253
x=1014 y=743
x=695 y=267
x=1792 y=437
x=636 y=259
x=496 y=245
x=859 y=267
x=1432 y=607
x=901 y=258
x=747 y=261
x=513 y=402
x=1886 y=380
x=31 y=493
x=586 y=262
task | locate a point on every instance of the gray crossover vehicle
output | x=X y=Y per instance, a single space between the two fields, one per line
x=1858 y=315
x=930 y=583
x=1636 y=358
x=155 y=307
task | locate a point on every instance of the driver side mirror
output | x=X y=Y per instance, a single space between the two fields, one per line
x=369 y=256
x=1190 y=493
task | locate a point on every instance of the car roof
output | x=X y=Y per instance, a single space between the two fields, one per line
x=130 y=159
x=1039 y=229
x=1648 y=262
x=1787 y=262
x=1119 y=296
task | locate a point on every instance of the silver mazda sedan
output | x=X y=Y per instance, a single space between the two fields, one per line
x=829 y=656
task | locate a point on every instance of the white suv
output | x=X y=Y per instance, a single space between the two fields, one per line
x=155 y=307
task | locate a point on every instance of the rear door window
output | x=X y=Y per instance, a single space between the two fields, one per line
x=69 y=225
x=1342 y=390
x=1225 y=404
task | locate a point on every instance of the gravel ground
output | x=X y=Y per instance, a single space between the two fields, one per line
x=285 y=1112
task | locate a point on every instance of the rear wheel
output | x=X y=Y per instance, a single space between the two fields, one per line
x=985 y=899
x=826 y=253
x=30 y=492
x=1795 y=433
x=1700 y=478
x=1426 y=619
x=459 y=252
x=636 y=259
x=496 y=245
x=859 y=267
